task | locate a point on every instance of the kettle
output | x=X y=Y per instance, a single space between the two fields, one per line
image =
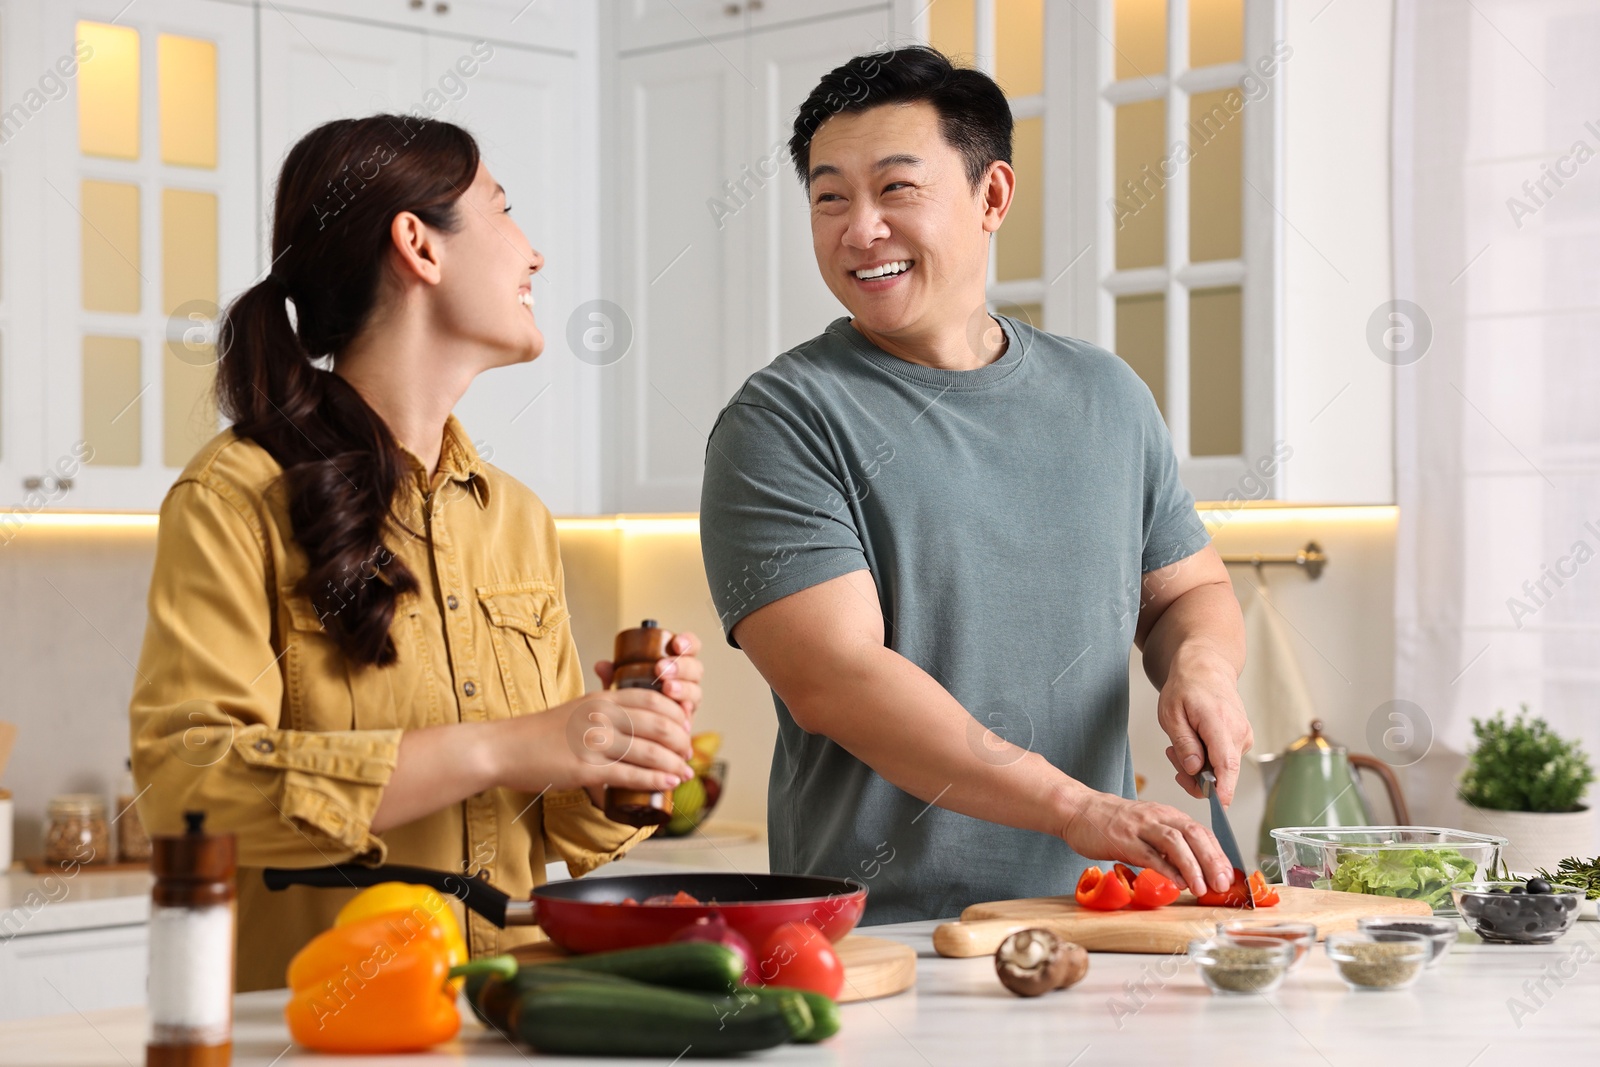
x=1312 y=783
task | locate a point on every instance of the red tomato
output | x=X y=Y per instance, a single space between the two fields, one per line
x=798 y=956
x=1152 y=889
x=1103 y=892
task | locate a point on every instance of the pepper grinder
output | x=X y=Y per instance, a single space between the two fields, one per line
x=634 y=667
x=191 y=947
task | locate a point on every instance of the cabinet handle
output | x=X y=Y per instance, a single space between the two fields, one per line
x=731 y=10
x=756 y=5
x=441 y=8
x=34 y=482
x=417 y=5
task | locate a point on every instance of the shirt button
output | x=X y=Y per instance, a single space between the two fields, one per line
x=469 y=688
x=264 y=745
x=452 y=602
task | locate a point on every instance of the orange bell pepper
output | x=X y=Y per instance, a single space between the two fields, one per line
x=1108 y=891
x=424 y=902
x=379 y=984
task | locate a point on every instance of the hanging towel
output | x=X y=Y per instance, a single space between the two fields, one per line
x=1272 y=687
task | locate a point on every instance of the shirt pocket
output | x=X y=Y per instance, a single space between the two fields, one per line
x=325 y=690
x=523 y=620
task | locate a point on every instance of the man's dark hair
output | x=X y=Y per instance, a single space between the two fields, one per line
x=973 y=113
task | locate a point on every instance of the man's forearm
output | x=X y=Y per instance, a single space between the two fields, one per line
x=1204 y=620
x=890 y=714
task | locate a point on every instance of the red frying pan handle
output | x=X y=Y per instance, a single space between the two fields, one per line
x=475 y=893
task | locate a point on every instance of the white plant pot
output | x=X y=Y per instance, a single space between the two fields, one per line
x=1539 y=839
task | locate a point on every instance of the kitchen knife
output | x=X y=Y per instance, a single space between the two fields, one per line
x=1224 y=832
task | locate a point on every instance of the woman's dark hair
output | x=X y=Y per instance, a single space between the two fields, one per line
x=338 y=192
x=974 y=115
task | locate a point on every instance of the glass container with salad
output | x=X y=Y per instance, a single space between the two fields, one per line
x=1416 y=862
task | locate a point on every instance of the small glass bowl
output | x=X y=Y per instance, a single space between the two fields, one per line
x=1379 y=959
x=1441 y=932
x=1239 y=964
x=1496 y=914
x=1299 y=936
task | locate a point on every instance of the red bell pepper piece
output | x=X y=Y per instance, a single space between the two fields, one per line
x=1241 y=892
x=1152 y=889
x=1108 y=891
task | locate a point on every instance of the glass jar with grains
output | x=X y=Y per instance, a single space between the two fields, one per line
x=76 y=830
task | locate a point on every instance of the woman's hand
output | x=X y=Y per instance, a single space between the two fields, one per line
x=629 y=738
x=679 y=673
x=1146 y=834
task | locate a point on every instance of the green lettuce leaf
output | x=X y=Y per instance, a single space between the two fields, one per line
x=1421 y=873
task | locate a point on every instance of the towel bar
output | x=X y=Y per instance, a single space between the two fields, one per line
x=1310 y=557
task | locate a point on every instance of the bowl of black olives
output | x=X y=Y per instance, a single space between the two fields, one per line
x=1521 y=913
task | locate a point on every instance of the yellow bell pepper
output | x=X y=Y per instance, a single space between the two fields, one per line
x=378 y=984
x=422 y=901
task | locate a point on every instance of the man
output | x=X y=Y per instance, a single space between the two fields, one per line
x=936 y=534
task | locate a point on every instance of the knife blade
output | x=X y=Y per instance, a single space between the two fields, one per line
x=1223 y=829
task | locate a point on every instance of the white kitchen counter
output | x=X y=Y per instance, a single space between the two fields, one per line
x=1134 y=1010
x=32 y=904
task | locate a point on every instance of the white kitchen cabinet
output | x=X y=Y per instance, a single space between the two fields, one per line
x=146 y=195
x=644 y=24
x=539 y=421
x=711 y=240
x=552 y=25
x=71 y=971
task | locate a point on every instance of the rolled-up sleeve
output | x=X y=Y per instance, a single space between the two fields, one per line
x=207 y=704
x=574 y=829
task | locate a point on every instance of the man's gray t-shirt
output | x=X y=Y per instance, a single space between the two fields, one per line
x=1006 y=515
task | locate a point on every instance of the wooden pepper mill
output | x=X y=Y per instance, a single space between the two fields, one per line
x=634 y=667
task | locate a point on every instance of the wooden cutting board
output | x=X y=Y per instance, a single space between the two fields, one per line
x=873 y=967
x=1169 y=929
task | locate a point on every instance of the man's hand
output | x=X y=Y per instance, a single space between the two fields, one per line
x=1143 y=834
x=1192 y=636
x=1201 y=712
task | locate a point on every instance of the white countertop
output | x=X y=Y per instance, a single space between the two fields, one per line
x=1130 y=1009
x=33 y=904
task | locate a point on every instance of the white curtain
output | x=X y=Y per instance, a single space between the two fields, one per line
x=1497 y=426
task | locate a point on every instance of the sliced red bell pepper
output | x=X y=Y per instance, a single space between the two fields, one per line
x=1107 y=891
x=1129 y=875
x=1152 y=889
x=1241 y=892
x=1265 y=895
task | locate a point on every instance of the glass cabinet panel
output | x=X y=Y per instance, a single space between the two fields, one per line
x=1216 y=175
x=1019 y=243
x=1216 y=32
x=1140 y=38
x=1216 y=372
x=1140 y=209
x=952 y=28
x=187 y=74
x=1019 y=47
x=108 y=92
x=110 y=246
x=188 y=249
x=1142 y=340
x=112 y=398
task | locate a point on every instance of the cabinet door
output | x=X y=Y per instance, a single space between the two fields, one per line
x=681 y=270
x=314 y=70
x=765 y=14
x=73 y=971
x=792 y=304
x=148 y=204
x=537 y=421
x=547 y=24
x=655 y=23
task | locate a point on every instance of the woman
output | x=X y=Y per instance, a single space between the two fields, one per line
x=353 y=618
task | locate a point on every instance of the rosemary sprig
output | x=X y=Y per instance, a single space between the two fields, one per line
x=1576 y=872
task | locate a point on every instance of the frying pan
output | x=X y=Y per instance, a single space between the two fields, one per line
x=587 y=914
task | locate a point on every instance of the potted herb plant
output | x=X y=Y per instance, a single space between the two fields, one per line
x=1526 y=783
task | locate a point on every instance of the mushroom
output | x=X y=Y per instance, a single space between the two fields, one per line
x=1034 y=961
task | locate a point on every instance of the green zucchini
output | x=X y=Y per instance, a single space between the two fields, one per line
x=703 y=965
x=824 y=1012
x=491 y=995
x=590 y=1018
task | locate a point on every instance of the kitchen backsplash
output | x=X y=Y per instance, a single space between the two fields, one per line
x=70 y=641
